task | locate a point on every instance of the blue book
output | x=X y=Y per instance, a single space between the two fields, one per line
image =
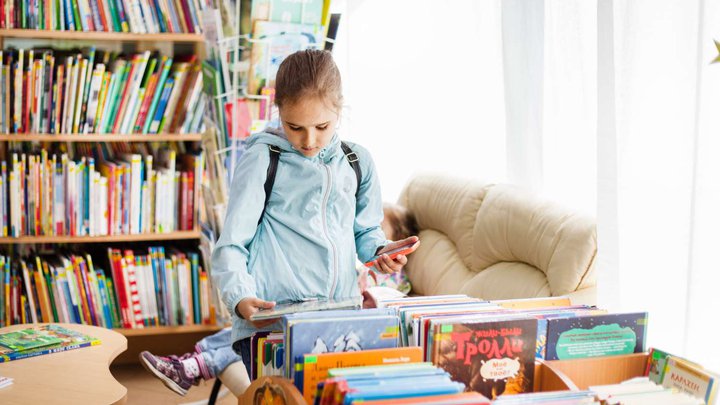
x=156 y=283
x=105 y=301
x=412 y=388
x=195 y=281
x=162 y=104
x=343 y=334
x=159 y=18
x=67 y=340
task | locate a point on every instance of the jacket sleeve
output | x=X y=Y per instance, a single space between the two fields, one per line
x=369 y=235
x=245 y=205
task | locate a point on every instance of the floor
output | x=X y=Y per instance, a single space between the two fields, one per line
x=144 y=388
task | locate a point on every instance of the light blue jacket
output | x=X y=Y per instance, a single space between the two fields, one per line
x=306 y=244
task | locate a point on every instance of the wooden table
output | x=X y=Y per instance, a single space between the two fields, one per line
x=79 y=376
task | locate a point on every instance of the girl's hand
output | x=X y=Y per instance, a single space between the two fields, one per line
x=385 y=264
x=249 y=306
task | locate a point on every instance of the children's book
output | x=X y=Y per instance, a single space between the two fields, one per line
x=63 y=339
x=306 y=306
x=275 y=41
x=690 y=378
x=346 y=334
x=315 y=366
x=492 y=357
x=595 y=335
x=655 y=369
x=26 y=339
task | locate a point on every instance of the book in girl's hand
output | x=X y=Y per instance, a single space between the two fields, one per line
x=41 y=339
x=306 y=306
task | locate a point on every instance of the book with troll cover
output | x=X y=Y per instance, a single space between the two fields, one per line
x=492 y=357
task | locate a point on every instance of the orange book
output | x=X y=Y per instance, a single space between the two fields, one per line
x=39 y=285
x=45 y=303
x=316 y=366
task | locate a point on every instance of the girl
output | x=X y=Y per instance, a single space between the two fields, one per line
x=296 y=236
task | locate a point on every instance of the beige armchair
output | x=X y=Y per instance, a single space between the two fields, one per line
x=496 y=241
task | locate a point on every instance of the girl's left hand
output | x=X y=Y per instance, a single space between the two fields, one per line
x=385 y=264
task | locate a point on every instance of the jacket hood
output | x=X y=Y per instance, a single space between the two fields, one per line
x=276 y=136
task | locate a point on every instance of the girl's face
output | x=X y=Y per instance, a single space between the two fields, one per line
x=309 y=125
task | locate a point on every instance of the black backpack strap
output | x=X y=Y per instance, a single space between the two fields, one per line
x=353 y=159
x=270 y=179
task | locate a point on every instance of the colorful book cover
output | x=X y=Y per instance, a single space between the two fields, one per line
x=63 y=338
x=596 y=335
x=314 y=336
x=26 y=339
x=493 y=357
x=315 y=366
x=687 y=377
x=655 y=369
x=276 y=41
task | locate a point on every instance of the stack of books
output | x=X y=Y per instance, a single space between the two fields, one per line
x=54 y=91
x=140 y=289
x=138 y=16
x=39 y=340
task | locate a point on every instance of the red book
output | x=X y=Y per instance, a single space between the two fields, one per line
x=119 y=279
x=136 y=310
x=125 y=95
x=80 y=281
x=103 y=16
x=149 y=93
x=190 y=201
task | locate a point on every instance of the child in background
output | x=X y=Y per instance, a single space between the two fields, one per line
x=303 y=241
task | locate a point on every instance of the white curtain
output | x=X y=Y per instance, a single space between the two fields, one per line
x=606 y=106
x=658 y=160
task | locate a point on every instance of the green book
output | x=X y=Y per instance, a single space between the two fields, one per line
x=117 y=96
x=26 y=339
x=158 y=92
x=76 y=14
x=61 y=339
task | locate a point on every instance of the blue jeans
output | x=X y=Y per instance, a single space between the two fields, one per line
x=218 y=353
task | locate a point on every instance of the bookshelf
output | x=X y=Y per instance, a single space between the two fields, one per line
x=177 y=235
x=100 y=36
x=154 y=338
x=100 y=137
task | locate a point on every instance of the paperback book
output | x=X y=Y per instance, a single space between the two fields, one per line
x=65 y=339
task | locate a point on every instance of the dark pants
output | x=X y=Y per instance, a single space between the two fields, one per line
x=242 y=347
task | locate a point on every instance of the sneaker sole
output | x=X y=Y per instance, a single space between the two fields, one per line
x=168 y=382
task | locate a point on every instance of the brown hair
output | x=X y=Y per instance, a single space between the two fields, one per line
x=308 y=73
x=401 y=221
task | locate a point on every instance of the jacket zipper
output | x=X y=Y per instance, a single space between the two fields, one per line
x=327 y=233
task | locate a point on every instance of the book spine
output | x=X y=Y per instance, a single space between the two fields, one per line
x=39 y=352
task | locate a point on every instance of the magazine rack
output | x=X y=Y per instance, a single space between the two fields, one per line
x=555 y=375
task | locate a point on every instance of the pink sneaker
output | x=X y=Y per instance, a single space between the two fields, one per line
x=169 y=370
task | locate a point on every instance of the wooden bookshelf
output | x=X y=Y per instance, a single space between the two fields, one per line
x=168 y=330
x=161 y=340
x=100 y=137
x=144 y=237
x=100 y=36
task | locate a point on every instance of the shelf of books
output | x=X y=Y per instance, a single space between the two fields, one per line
x=100 y=137
x=100 y=36
x=102 y=169
x=144 y=237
